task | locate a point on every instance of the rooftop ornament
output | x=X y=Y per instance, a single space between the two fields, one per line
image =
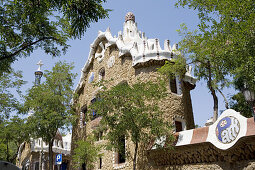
x=130 y=17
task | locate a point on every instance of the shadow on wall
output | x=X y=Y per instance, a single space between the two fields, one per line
x=7 y=166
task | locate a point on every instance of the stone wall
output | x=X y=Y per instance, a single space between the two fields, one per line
x=205 y=156
x=25 y=154
x=242 y=165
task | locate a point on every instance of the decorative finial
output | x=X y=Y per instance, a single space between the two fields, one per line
x=40 y=65
x=130 y=16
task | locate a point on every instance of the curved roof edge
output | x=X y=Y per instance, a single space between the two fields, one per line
x=141 y=51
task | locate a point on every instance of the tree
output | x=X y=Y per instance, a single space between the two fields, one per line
x=132 y=112
x=238 y=103
x=200 y=51
x=51 y=104
x=13 y=133
x=86 y=153
x=26 y=25
x=224 y=44
x=9 y=83
x=227 y=29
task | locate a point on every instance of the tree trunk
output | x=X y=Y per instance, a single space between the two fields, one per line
x=7 y=151
x=135 y=155
x=215 y=98
x=225 y=99
x=51 y=155
x=40 y=157
x=215 y=105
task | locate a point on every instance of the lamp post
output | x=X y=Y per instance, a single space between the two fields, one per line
x=250 y=98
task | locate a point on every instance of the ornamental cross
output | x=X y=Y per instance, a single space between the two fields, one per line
x=40 y=65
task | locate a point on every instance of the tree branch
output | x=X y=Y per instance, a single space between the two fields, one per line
x=24 y=46
x=225 y=99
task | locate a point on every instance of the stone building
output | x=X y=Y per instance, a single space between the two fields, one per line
x=128 y=57
x=29 y=153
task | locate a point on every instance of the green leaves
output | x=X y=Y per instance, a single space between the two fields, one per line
x=9 y=82
x=50 y=102
x=86 y=152
x=224 y=45
x=239 y=104
x=13 y=132
x=26 y=25
x=132 y=111
x=227 y=32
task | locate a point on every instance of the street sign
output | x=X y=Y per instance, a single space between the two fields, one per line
x=59 y=159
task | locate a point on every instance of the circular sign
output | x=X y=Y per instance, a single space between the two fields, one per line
x=227 y=129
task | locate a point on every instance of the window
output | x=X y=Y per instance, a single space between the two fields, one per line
x=101 y=74
x=173 y=85
x=83 y=116
x=100 y=163
x=83 y=166
x=36 y=165
x=120 y=156
x=94 y=113
x=178 y=126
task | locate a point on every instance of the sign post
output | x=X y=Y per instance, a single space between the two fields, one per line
x=59 y=160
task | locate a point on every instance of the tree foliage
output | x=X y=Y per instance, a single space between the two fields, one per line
x=13 y=132
x=51 y=104
x=224 y=44
x=10 y=83
x=229 y=25
x=13 y=129
x=26 y=25
x=132 y=111
x=238 y=103
x=86 y=153
x=201 y=52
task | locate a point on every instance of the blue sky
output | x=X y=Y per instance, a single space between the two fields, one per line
x=158 y=19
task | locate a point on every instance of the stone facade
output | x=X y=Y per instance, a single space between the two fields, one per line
x=129 y=57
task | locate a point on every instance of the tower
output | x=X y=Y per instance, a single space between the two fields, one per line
x=38 y=73
x=129 y=57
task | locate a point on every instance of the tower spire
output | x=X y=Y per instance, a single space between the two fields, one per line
x=38 y=73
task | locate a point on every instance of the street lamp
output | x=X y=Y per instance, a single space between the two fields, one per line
x=250 y=98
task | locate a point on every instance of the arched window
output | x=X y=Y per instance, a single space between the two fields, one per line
x=101 y=74
x=94 y=112
x=83 y=116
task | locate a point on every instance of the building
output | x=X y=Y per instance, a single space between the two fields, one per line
x=128 y=57
x=29 y=153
